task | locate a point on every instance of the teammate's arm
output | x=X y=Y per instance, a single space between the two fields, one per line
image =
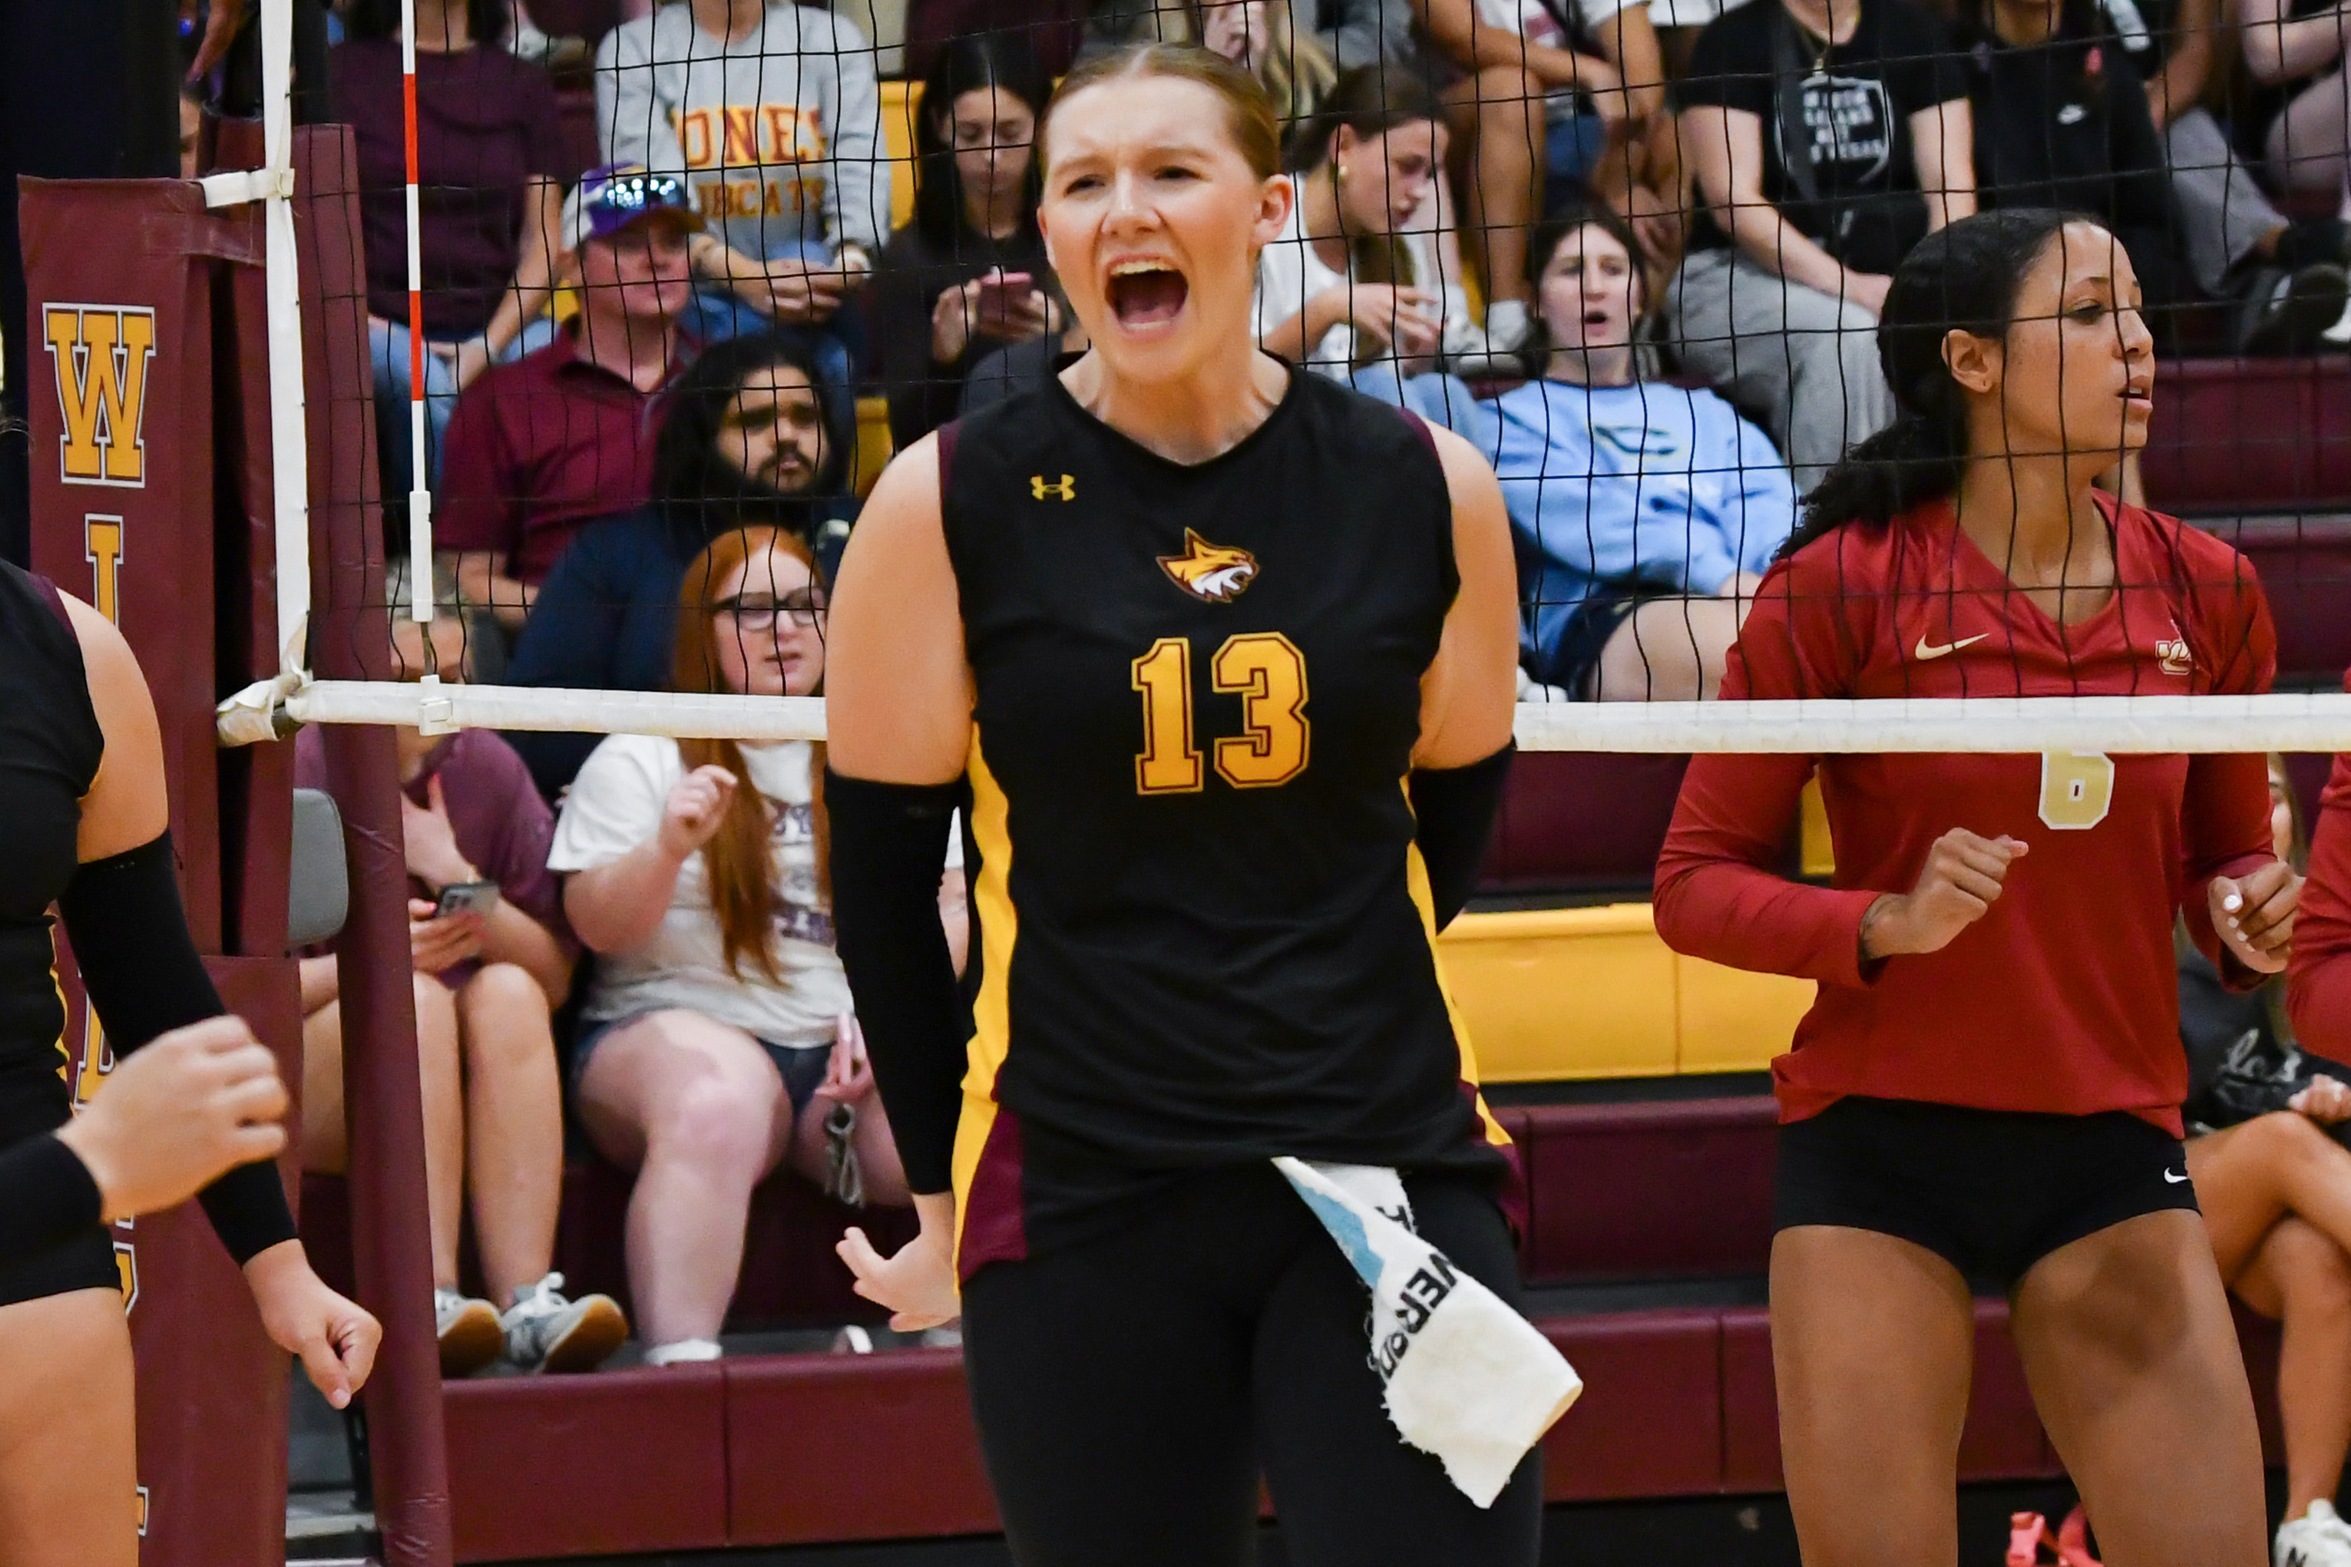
x=1469 y=693
x=898 y=701
x=140 y=966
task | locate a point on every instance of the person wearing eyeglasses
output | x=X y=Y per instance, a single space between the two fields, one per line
x=719 y=1040
x=744 y=441
x=492 y=963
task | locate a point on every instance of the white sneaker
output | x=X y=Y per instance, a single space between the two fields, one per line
x=684 y=1351
x=2319 y=1538
x=468 y=1330
x=1508 y=325
x=2340 y=333
x=545 y=1330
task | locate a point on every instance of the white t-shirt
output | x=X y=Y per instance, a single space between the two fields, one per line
x=616 y=804
x=1289 y=274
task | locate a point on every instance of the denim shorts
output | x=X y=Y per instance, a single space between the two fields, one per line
x=801 y=1066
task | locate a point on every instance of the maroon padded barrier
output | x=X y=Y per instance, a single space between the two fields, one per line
x=2002 y=1439
x=1650 y=1420
x=2304 y=562
x=1574 y=821
x=610 y=1464
x=1660 y=1188
x=122 y=333
x=853 y=1448
x=2234 y=434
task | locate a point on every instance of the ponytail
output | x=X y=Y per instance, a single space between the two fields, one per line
x=1963 y=277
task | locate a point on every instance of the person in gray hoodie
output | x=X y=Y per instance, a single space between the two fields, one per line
x=772 y=115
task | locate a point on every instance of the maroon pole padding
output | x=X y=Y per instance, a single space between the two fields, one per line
x=123 y=438
x=349 y=640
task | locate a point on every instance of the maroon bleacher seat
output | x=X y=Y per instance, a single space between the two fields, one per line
x=587 y=19
x=2250 y=434
x=2304 y=561
x=1665 y=1189
x=1582 y=822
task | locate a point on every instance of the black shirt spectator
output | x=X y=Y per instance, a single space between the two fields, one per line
x=2061 y=120
x=1847 y=106
x=969 y=273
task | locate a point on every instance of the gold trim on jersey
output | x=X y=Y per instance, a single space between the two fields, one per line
x=991 y=1035
x=1424 y=902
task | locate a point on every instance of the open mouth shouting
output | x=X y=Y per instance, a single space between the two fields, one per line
x=1145 y=292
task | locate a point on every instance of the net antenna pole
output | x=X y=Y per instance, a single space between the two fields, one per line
x=420 y=491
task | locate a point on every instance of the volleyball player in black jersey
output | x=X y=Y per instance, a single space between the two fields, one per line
x=1221 y=656
x=82 y=794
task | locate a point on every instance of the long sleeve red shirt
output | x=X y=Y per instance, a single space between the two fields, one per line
x=2062 y=998
x=2318 y=980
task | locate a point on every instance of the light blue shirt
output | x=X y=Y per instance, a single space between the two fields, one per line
x=1615 y=487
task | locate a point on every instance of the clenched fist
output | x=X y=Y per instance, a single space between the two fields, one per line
x=697 y=804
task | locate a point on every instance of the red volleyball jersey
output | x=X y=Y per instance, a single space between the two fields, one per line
x=2318 y=984
x=2064 y=996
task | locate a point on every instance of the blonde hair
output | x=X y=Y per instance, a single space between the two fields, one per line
x=1295 y=70
x=1249 y=113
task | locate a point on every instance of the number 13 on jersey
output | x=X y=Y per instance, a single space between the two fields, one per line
x=1266 y=671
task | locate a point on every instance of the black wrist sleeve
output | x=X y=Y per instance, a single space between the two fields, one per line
x=1453 y=812
x=139 y=964
x=888 y=850
x=46 y=1196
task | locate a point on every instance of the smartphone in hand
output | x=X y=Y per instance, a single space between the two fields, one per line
x=466 y=897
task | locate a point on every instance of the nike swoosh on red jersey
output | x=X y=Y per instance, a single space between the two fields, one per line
x=1926 y=651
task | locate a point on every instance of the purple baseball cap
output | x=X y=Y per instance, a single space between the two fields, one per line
x=610 y=199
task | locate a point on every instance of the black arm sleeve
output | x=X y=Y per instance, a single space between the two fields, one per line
x=46 y=1196
x=139 y=964
x=1453 y=811
x=888 y=850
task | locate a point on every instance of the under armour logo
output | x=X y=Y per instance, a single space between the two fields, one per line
x=1065 y=490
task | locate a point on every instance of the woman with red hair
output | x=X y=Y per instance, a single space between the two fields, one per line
x=718 y=1039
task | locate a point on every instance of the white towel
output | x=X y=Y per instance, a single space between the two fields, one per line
x=1468 y=1379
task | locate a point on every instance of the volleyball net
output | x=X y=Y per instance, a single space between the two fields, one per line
x=686 y=282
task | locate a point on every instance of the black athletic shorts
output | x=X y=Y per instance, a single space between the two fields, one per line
x=30 y=1105
x=1990 y=1191
x=1131 y=1389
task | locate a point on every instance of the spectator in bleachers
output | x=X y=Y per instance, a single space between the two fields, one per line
x=1348 y=289
x=540 y=446
x=2300 y=51
x=969 y=273
x=490 y=172
x=2236 y=243
x=2061 y=120
x=719 y=1039
x=772 y=115
x=742 y=444
x=1644 y=514
x=1825 y=141
x=1260 y=36
x=1594 y=65
x=2272 y=1176
x=493 y=960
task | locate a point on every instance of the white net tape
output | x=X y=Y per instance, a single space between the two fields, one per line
x=2310 y=722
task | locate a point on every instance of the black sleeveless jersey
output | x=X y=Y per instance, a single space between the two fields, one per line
x=1205 y=932
x=49 y=751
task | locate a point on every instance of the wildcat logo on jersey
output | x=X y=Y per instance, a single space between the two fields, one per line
x=1064 y=489
x=2171 y=655
x=1210 y=572
x=102 y=354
